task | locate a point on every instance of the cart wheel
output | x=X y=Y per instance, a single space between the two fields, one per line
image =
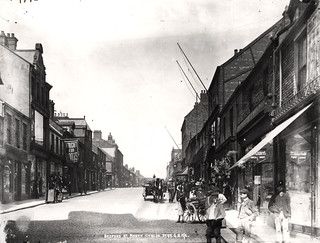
x=190 y=213
x=202 y=215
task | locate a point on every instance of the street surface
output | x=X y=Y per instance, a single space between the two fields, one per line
x=118 y=215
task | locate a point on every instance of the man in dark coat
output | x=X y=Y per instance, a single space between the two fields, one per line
x=279 y=205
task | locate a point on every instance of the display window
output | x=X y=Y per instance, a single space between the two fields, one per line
x=298 y=175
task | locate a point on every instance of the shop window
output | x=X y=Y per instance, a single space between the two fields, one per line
x=298 y=176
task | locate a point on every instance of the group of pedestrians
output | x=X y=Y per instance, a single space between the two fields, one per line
x=279 y=207
x=55 y=186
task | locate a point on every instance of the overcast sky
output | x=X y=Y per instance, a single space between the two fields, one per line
x=114 y=61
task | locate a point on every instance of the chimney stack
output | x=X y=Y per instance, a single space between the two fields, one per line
x=203 y=96
x=97 y=134
x=12 y=42
x=3 y=39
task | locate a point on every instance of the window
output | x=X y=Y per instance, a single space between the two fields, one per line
x=213 y=133
x=24 y=136
x=231 y=121
x=52 y=142
x=17 y=133
x=1 y=131
x=38 y=92
x=61 y=147
x=57 y=145
x=302 y=61
x=224 y=128
x=9 y=128
x=39 y=131
x=250 y=98
x=265 y=81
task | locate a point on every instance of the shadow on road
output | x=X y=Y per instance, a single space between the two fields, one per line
x=82 y=226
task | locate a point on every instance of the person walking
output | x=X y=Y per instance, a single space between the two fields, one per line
x=247 y=214
x=279 y=205
x=215 y=214
x=181 y=202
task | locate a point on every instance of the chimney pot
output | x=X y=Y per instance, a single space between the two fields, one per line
x=12 y=41
x=2 y=33
x=235 y=51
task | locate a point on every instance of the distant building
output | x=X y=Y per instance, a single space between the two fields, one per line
x=114 y=155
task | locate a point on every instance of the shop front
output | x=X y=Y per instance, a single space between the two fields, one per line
x=299 y=169
x=14 y=175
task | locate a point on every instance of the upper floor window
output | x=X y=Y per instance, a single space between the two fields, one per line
x=52 y=142
x=17 y=133
x=57 y=145
x=1 y=131
x=301 y=62
x=265 y=81
x=224 y=128
x=231 y=121
x=9 y=129
x=24 y=136
x=250 y=98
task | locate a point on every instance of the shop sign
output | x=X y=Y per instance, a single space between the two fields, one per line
x=72 y=150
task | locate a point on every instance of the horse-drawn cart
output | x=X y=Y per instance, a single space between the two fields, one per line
x=195 y=210
x=153 y=189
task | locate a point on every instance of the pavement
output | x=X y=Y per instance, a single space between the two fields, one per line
x=262 y=231
x=30 y=203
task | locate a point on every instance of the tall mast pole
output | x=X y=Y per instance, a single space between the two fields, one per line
x=192 y=67
x=172 y=138
x=197 y=96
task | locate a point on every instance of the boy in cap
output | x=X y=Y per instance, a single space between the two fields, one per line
x=279 y=205
x=247 y=213
x=215 y=213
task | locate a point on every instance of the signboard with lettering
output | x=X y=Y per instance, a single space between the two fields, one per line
x=72 y=151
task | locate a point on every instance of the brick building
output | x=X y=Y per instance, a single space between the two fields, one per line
x=26 y=119
x=193 y=123
x=114 y=154
x=278 y=143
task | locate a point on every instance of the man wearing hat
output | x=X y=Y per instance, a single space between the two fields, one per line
x=247 y=213
x=279 y=205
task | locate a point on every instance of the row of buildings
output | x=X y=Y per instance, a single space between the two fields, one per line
x=36 y=142
x=257 y=125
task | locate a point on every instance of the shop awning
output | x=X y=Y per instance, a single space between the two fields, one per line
x=185 y=172
x=278 y=129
